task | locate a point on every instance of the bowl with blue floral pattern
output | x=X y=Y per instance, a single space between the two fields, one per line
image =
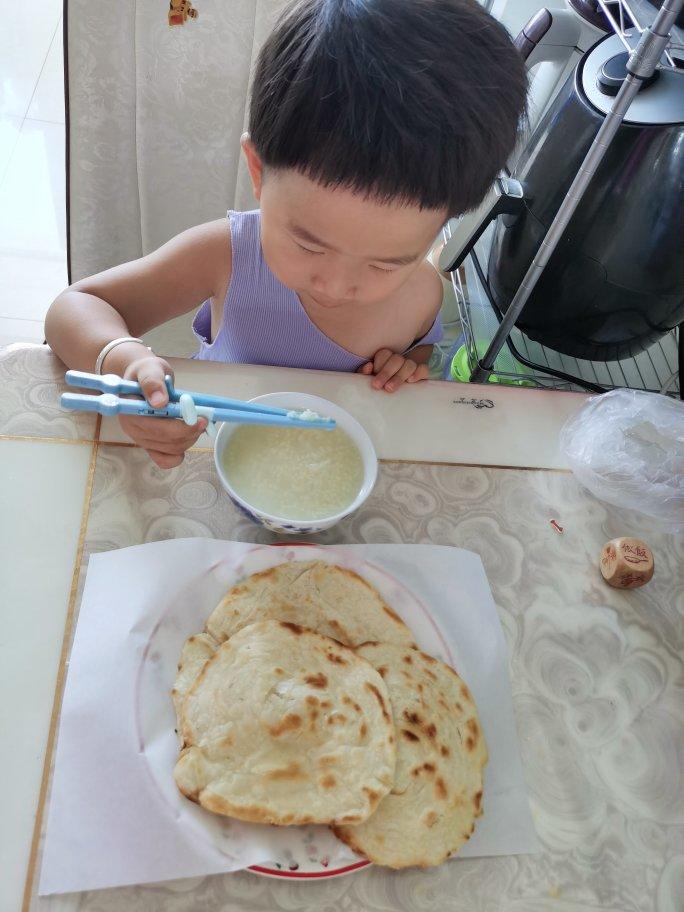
x=248 y=474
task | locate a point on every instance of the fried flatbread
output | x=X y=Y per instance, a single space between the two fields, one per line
x=441 y=753
x=285 y=726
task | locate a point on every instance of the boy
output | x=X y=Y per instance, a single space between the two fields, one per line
x=371 y=122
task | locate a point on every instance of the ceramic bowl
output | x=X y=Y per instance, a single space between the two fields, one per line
x=351 y=426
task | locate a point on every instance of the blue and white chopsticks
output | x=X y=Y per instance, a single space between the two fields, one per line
x=183 y=404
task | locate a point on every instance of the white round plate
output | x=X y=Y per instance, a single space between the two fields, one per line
x=299 y=853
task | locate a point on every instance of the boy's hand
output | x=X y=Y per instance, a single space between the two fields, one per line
x=391 y=370
x=165 y=440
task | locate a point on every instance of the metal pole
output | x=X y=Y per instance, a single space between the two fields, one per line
x=641 y=64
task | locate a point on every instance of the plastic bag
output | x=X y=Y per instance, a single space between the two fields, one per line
x=627 y=448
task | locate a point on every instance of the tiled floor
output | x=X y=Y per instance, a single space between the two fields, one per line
x=32 y=179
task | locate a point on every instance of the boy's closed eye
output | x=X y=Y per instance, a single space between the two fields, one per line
x=301 y=237
x=308 y=250
x=321 y=252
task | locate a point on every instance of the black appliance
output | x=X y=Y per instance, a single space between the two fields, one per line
x=615 y=282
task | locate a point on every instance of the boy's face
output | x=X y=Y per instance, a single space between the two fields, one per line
x=333 y=246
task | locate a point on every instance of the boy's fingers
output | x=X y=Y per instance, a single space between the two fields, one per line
x=381 y=358
x=151 y=379
x=366 y=368
x=404 y=372
x=148 y=439
x=162 y=428
x=173 y=430
x=170 y=447
x=166 y=460
x=422 y=372
x=393 y=364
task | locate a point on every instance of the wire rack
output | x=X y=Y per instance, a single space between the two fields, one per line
x=654 y=370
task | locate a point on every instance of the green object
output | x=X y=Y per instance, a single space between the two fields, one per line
x=460 y=370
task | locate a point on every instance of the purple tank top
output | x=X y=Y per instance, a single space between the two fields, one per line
x=263 y=321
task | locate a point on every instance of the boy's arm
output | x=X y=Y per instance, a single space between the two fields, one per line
x=131 y=299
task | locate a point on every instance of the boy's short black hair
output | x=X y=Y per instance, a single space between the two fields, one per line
x=416 y=100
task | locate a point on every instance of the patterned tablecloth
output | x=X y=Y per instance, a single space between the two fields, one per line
x=597 y=674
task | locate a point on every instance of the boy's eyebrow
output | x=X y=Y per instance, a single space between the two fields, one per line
x=305 y=235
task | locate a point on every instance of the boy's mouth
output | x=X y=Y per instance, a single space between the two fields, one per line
x=322 y=301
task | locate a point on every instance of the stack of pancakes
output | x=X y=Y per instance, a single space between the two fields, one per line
x=306 y=701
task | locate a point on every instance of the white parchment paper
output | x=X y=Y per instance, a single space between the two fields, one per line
x=116 y=817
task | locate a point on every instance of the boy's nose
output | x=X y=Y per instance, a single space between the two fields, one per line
x=337 y=285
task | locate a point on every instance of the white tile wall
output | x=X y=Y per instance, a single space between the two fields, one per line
x=32 y=179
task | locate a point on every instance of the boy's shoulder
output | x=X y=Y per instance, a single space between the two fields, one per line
x=215 y=233
x=213 y=253
x=215 y=238
x=209 y=252
x=208 y=242
x=424 y=293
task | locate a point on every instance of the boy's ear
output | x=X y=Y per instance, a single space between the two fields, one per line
x=254 y=164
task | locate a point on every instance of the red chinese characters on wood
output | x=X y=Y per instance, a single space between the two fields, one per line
x=626 y=563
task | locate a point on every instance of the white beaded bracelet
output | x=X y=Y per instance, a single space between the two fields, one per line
x=110 y=345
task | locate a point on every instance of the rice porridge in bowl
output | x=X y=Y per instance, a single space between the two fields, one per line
x=293 y=479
